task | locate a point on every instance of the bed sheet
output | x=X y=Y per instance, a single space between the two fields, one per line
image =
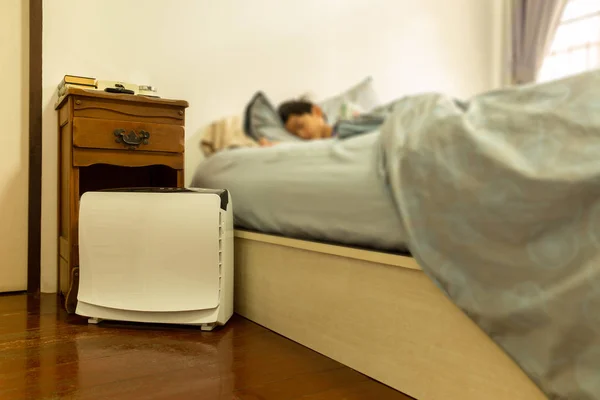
x=329 y=190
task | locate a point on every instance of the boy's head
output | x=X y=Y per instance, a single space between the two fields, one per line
x=304 y=119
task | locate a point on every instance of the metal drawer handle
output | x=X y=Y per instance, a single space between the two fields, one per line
x=131 y=140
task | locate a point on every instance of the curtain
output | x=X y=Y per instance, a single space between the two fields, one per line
x=533 y=26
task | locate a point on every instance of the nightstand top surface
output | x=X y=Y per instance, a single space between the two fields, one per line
x=121 y=97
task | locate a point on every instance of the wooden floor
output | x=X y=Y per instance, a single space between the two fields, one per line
x=47 y=354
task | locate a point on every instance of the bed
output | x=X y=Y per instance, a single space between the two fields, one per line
x=497 y=200
x=335 y=275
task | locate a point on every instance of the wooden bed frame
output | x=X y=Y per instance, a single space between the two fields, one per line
x=377 y=313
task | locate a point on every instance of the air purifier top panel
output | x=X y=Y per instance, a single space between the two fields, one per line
x=222 y=193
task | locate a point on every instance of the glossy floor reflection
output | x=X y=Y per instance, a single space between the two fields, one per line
x=47 y=354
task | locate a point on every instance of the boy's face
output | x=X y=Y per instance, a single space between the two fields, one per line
x=307 y=126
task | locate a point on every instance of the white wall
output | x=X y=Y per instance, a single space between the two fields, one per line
x=14 y=143
x=216 y=54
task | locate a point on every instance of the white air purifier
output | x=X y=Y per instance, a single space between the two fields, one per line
x=156 y=255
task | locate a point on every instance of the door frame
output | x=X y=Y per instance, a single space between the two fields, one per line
x=34 y=219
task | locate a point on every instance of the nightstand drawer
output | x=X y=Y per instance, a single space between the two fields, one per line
x=95 y=133
x=114 y=107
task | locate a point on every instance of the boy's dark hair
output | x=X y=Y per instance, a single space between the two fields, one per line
x=294 y=107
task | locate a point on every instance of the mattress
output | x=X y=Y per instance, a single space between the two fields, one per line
x=329 y=190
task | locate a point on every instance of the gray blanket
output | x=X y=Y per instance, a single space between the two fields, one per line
x=500 y=198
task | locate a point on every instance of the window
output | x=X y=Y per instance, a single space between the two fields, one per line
x=576 y=45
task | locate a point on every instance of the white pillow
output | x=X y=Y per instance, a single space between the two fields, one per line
x=362 y=95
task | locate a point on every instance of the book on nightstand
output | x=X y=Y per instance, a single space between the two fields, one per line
x=76 y=81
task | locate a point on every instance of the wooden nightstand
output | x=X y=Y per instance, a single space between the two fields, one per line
x=109 y=141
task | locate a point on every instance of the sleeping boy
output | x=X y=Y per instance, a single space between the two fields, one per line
x=307 y=120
